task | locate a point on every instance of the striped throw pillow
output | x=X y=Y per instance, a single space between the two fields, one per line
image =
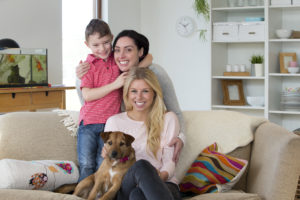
x=212 y=172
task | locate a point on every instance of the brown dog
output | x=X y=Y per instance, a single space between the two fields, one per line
x=107 y=180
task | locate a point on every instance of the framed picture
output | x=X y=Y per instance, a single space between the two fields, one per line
x=285 y=59
x=233 y=93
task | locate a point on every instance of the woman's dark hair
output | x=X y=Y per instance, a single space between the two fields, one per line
x=8 y=43
x=140 y=41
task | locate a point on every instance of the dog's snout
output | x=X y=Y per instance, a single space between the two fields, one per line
x=114 y=154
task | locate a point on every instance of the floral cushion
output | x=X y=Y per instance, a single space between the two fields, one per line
x=36 y=175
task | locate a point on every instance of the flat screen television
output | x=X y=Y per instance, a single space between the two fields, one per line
x=22 y=67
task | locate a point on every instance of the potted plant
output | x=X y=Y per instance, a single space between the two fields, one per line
x=202 y=8
x=257 y=68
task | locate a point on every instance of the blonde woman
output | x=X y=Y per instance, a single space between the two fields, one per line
x=146 y=119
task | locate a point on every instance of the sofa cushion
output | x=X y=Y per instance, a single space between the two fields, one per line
x=227 y=128
x=213 y=172
x=232 y=195
x=9 y=194
x=37 y=175
x=35 y=136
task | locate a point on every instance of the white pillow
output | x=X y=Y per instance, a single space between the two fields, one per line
x=37 y=175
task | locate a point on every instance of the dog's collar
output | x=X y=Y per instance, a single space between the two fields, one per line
x=124 y=159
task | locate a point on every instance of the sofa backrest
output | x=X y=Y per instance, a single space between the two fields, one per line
x=232 y=131
x=35 y=136
x=245 y=154
x=43 y=136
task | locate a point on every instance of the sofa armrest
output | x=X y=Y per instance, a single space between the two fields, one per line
x=275 y=163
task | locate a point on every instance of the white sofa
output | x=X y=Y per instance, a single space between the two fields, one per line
x=272 y=152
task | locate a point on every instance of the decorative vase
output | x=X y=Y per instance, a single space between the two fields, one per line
x=257 y=70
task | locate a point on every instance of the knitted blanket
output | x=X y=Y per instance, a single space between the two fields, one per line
x=70 y=120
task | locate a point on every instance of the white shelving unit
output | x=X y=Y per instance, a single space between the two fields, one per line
x=239 y=52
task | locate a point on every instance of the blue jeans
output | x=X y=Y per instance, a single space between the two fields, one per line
x=141 y=182
x=89 y=147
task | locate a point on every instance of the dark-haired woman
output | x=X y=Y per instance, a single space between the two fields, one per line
x=130 y=47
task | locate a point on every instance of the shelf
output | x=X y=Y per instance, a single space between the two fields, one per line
x=244 y=8
x=284 y=6
x=235 y=51
x=239 y=42
x=284 y=112
x=239 y=77
x=284 y=75
x=246 y=107
x=284 y=40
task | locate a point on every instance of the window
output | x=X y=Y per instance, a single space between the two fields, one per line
x=75 y=16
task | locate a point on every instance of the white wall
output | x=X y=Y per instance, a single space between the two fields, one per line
x=187 y=60
x=123 y=14
x=35 y=24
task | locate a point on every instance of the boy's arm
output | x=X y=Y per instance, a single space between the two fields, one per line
x=82 y=69
x=91 y=94
x=147 y=61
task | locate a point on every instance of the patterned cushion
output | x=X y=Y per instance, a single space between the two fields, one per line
x=212 y=172
x=36 y=175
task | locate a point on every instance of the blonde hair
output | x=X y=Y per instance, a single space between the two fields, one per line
x=155 y=119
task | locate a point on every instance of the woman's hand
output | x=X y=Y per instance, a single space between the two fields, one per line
x=104 y=152
x=82 y=69
x=147 y=61
x=163 y=175
x=178 y=144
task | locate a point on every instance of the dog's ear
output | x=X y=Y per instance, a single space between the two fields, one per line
x=128 y=139
x=105 y=135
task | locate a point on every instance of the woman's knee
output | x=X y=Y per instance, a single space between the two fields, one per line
x=142 y=168
x=136 y=194
x=143 y=164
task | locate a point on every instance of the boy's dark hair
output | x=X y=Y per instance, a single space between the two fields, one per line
x=140 y=41
x=97 y=26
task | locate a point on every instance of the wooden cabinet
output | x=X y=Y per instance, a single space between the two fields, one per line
x=239 y=51
x=18 y=99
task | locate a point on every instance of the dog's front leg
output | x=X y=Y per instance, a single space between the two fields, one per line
x=111 y=193
x=95 y=190
x=84 y=187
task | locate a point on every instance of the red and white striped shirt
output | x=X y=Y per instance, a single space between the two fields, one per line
x=100 y=73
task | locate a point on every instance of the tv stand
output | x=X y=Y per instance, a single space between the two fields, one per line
x=32 y=98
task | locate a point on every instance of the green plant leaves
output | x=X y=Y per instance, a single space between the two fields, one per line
x=202 y=8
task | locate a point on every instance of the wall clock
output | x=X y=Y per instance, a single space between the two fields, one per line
x=185 y=26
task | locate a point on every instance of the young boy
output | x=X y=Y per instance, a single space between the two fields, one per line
x=101 y=90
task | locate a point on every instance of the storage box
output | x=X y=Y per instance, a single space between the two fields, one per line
x=252 y=31
x=225 y=31
x=296 y=2
x=281 y=2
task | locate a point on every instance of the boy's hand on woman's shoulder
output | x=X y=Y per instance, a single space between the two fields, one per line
x=119 y=82
x=82 y=69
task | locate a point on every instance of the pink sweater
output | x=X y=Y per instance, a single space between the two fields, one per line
x=121 y=122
